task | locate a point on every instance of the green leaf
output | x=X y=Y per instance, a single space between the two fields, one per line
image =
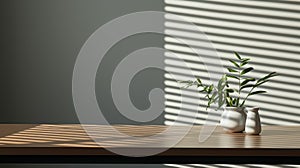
x=237 y=55
x=247 y=86
x=210 y=88
x=247 y=80
x=230 y=90
x=189 y=81
x=262 y=82
x=210 y=101
x=199 y=81
x=220 y=99
x=234 y=63
x=205 y=89
x=231 y=70
x=232 y=76
x=229 y=101
x=222 y=87
x=222 y=83
x=257 y=92
x=245 y=61
x=233 y=101
x=246 y=70
x=214 y=95
x=272 y=74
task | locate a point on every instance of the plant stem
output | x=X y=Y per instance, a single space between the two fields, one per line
x=238 y=99
x=247 y=96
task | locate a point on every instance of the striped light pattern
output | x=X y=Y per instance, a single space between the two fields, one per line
x=268 y=32
x=230 y=166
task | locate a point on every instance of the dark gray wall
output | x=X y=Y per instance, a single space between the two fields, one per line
x=40 y=40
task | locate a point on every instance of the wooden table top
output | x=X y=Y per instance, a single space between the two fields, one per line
x=71 y=139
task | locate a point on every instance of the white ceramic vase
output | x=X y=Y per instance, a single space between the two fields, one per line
x=253 y=124
x=233 y=119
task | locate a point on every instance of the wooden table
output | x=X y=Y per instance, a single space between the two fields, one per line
x=46 y=143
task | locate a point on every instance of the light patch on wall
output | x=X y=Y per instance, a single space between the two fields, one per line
x=268 y=32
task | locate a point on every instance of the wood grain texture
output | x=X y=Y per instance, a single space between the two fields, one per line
x=7 y=129
x=66 y=139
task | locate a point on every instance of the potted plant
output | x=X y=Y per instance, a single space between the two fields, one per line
x=234 y=116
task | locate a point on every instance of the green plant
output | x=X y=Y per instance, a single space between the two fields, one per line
x=223 y=93
x=214 y=94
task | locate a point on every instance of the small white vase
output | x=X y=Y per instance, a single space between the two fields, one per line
x=233 y=119
x=253 y=124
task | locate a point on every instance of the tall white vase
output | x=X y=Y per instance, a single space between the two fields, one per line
x=253 y=124
x=233 y=119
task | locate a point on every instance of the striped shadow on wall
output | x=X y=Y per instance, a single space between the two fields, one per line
x=229 y=166
x=268 y=32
